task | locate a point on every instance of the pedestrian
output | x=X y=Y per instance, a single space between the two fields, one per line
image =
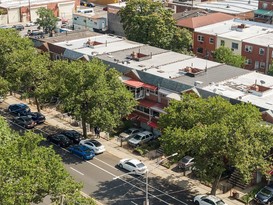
x=97 y=132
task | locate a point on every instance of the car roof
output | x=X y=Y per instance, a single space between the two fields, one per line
x=133 y=129
x=188 y=158
x=213 y=198
x=146 y=132
x=134 y=161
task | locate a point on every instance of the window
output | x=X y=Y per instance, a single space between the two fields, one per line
x=261 y=51
x=264 y=5
x=222 y=43
x=199 y=50
x=211 y=40
x=200 y=38
x=248 y=61
x=248 y=48
x=234 y=46
x=155 y=114
x=262 y=64
x=257 y=64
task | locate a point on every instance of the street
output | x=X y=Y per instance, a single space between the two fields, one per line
x=98 y=175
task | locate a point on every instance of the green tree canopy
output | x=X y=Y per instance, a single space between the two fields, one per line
x=217 y=134
x=28 y=71
x=91 y=92
x=225 y=55
x=29 y=171
x=148 y=22
x=46 y=19
x=4 y=87
x=270 y=70
x=10 y=40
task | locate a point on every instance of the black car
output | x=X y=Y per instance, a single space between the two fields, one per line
x=37 y=117
x=60 y=140
x=24 y=121
x=265 y=195
x=73 y=135
x=90 y=4
x=19 y=109
x=83 y=3
x=18 y=27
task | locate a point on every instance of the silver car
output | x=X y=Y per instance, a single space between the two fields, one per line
x=129 y=133
x=141 y=138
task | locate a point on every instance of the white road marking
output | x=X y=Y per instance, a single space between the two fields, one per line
x=77 y=171
x=133 y=203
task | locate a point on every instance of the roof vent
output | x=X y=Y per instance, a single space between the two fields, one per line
x=68 y=44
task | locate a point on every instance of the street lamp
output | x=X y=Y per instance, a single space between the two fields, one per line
x=146 y=202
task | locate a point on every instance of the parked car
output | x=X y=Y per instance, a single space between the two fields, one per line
x=29 y=24
x=129 y=133
x=94 y=145
x=105 y=8
x=36 y=33
x=133 y=165
x=208 y=200
x=37 y=117
x=24 y=121
x=60 y=140
x=19 y=109
x=82 y=151
x=83 y=3
x=18 y=27
x=141 y=138
x=185 y=162
x=265 y=195
x=73 y=135
x=90 y=4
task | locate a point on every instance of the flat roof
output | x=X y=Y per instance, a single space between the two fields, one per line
x=20 y=3
x=229 y=6
x=238 y=88
x=262 y=40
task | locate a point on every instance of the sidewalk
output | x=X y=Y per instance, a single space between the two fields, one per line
x=113 y=146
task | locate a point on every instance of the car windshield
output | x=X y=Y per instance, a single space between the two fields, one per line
x=185 y=160
x=137 y=137
x=128 y=132
x=96 y=143
x=85 y=149
x=27 y=119
x=140 y=165
x=220 y=202
x=266 y=192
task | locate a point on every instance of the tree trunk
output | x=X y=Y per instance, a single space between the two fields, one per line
x=215 y=185
x=84 y=131
x=37 y=104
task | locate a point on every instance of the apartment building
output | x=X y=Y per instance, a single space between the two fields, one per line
x=264 y=12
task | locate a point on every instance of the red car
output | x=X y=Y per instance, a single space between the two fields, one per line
x=105 y=8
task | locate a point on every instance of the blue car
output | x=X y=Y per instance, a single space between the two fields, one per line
x=19 y=109
x=82 y=151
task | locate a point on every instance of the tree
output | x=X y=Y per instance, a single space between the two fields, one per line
x=91 y=92
x=46 y=19
x=29 y=171
x=4 y=87
x=148 y=22
x=29 y=72
x=225 y=55
x=217 y=134
x=270 y=70
x=10 y=41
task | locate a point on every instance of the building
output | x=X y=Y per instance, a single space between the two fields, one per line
x=156 y=76
x=90 y=22
x=114 y=24
x=26 y=10
x=243 y=9
x=234 y=34
x=264 y=12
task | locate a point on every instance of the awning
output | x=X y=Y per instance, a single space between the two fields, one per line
x=153 y=124
x=150 y=87
x=174 y=96
x=143 y=119
x=132 y=116
x=134 y=83
x=263 y=12
x=146 y=103
x=164 y=92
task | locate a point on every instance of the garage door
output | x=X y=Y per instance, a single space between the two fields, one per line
x=33 y=12
x=66 y=9
x=14 y=15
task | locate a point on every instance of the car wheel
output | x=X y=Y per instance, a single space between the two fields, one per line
x=120 y=165
x=196 y=203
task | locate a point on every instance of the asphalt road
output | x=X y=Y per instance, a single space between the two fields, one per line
x=98 y=175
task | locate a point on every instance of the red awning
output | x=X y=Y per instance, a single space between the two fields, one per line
x=143 y=119
x=146 y=103
x=134 y=83
x=150 y=87
x=132 y=116
x=153 y=124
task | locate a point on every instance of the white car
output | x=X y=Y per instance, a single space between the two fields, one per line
x=133 y=165
x=129 y=133
x=208 y=200
x=141 y=138
x=29 y=24
x=94 y=145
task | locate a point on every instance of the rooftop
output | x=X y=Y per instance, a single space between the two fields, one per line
x=262 y=40
x=252 y=87
x=203 y=20
x=20 y=3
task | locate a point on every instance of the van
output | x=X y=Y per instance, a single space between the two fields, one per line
x=86 y=11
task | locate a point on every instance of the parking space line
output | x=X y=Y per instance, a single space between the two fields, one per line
x=77 y=171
